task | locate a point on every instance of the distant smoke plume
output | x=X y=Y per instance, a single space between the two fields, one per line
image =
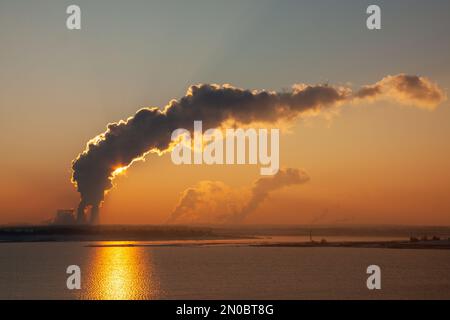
x=207 y=202
x=264 y=186
x=149 y=130
x=405 y=89
x=215 y=202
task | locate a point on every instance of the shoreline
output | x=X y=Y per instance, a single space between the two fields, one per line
x=441 y=245
x=108 y=233
x=167 y=235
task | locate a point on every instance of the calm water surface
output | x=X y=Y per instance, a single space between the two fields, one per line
x=227 y=271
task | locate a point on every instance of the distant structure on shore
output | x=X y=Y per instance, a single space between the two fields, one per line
x=67 y=217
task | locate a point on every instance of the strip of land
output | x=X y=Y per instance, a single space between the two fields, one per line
x=163 y=235
x=441 y=244
x=106 y=233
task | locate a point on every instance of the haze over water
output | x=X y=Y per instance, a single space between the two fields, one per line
x=227 y=271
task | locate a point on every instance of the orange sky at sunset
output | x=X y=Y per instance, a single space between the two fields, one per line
x=367 y=165
x=380 y=162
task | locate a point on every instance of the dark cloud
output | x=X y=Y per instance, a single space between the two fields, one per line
x=150 y=129
x=405 y=89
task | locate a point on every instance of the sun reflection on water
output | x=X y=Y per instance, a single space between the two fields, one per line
x=120 y=273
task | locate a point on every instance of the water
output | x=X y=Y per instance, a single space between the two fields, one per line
x=226 y=271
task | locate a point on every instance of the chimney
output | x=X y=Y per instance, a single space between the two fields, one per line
x=81 y=218
x=94 y=214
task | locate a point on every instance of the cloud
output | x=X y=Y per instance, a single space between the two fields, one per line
x=215 y=202
x=405 y=89
x=149 y=130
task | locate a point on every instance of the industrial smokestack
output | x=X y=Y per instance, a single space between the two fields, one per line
x=81 y=218
x=94 y=219
x=93 y=211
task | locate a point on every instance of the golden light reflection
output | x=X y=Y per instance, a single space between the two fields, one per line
x=121 y=272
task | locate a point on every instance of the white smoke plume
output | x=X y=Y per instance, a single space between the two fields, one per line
x=149 y=130
x=215 y=202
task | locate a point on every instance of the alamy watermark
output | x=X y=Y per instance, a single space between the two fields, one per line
x=237 y=146
x=73 y=21
x=74 y=279
x=373 y=22
x=374 y=280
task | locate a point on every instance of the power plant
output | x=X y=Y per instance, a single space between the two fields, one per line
x=67 y=216
x=94 y=214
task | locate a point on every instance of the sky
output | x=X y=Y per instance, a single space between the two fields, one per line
x=372 y=163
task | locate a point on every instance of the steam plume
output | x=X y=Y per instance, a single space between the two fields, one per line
x=149 y=130
x=215 y=202
x=405 y=89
